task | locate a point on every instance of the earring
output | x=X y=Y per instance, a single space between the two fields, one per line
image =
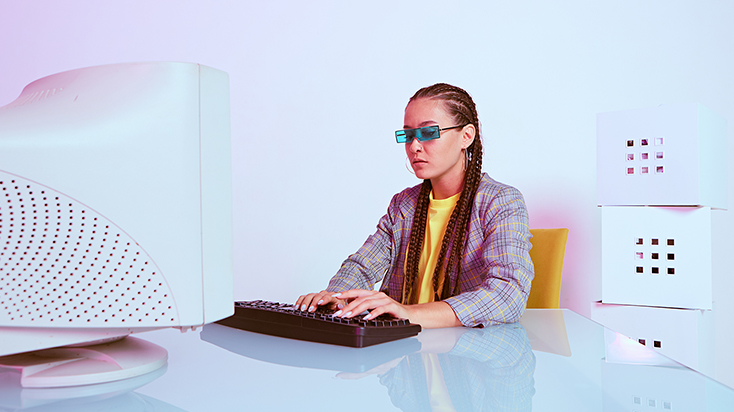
x=410 y=169
x=466 y=158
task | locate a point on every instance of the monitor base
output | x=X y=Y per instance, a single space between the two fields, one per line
x=86 y=365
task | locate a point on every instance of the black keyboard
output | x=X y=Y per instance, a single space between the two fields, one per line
x=285 y=320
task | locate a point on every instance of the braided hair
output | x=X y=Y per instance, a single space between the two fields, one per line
x=461 y=108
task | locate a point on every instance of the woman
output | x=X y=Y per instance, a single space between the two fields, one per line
x=454 y=249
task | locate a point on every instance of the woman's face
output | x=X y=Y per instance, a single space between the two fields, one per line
x=440 y=160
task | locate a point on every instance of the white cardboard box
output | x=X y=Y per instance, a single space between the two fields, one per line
x=657 y=256
x=665 y=155
x=683 y=335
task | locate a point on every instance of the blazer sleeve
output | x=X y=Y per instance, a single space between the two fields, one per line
x=497 y=272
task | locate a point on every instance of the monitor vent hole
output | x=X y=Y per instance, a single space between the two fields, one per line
x=62 y=262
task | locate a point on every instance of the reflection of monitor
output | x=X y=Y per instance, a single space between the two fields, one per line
x=112 y=396
x=115 y=205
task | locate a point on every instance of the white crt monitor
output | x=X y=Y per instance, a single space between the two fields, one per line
x=115 y=204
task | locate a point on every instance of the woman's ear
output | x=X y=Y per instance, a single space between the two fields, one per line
x=467 y=134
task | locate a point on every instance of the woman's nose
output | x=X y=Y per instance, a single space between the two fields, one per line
x=415 y=146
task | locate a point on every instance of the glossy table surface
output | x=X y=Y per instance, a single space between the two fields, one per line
x=553 y=360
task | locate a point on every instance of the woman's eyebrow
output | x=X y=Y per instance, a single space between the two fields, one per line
x=422 y=124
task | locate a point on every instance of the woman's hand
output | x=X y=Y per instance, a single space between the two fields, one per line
x=428 y=315
x=377 y=303
x=353 y=302
x=312 y=300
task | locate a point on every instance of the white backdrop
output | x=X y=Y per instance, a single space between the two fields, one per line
x=319 y=87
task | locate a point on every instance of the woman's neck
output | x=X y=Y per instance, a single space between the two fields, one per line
x=446 y=187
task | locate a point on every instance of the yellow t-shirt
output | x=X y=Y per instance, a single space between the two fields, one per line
x=439 y=212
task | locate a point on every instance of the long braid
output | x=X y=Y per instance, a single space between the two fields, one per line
x=462 y=109
x=415 y=245
x=472 y=180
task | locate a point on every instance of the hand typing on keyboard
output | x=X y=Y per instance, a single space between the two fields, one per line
x=353 y=302
x=377 y=303
x=288 y=321
x=321 y=299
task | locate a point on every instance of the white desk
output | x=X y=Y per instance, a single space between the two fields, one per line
x=555 y=360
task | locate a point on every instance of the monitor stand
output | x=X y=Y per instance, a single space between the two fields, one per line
x=85 y=365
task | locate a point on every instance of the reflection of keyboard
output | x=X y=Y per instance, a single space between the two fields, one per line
x=281 y=319
x=301 y=354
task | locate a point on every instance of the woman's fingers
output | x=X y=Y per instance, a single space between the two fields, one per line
x=368 y=300
x=352 y=302
x=304 y=301
x=353 y=294
x=301 y=299
x=312 y=300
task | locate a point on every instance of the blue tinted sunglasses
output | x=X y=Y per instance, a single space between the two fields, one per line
x=421 y=133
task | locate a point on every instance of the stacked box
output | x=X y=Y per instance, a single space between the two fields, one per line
x=684 y=335
x=657 y=256
x=660 y=172
x=670 y=155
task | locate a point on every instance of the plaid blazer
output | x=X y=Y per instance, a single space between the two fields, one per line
x=496 y=268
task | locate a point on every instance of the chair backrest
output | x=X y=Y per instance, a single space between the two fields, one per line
x=549 y=248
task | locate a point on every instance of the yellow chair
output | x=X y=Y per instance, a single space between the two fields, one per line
x=549 y=248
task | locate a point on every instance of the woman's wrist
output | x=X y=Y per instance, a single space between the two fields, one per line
x=433 y=315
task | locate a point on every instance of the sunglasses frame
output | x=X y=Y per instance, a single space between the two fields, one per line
x=402 y=136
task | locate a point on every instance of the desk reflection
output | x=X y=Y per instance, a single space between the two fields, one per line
x=110 y=396
x=442 y=369
x=461 y=369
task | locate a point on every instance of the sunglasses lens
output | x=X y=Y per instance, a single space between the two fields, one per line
x=422 y=134
x=400 y=136
x=428 y=133
x=405 y=136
